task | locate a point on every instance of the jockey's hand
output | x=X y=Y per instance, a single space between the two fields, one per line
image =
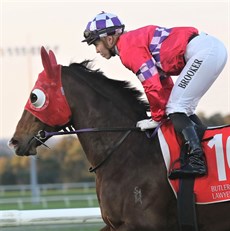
x=147 y=124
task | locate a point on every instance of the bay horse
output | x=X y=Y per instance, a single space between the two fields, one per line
x=132 y=184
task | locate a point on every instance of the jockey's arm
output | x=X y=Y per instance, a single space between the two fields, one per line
x=157 y=88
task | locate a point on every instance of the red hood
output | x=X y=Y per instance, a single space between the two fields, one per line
x=49 y=103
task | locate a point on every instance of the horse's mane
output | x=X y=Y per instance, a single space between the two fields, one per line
x=116 y=90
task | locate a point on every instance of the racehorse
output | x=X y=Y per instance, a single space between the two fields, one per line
x=131 y=177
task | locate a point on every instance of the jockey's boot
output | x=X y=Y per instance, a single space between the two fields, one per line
x=194 y=162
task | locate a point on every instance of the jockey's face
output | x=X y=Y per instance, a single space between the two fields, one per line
x=105 y=46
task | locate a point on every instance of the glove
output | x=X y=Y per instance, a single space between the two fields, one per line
x=147 y=124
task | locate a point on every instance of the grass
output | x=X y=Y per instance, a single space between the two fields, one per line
x=72 y=227
x=50 y=205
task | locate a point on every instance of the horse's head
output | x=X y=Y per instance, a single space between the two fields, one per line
x=46 y=108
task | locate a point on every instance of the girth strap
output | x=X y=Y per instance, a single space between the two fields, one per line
x=186 y=203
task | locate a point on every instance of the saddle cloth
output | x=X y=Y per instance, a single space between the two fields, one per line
x=215 y=186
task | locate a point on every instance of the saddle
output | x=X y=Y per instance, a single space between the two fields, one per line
x=211 y=188
x=215 y=186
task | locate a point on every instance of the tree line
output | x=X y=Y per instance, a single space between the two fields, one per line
x=65 y=162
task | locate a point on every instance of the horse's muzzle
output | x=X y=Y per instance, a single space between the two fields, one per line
x=22 y=149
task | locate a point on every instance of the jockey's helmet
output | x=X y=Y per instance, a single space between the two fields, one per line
x=102 y=25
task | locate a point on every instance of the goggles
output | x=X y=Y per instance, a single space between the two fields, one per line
x=92 y=36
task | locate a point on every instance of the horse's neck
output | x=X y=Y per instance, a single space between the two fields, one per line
x=92 y=110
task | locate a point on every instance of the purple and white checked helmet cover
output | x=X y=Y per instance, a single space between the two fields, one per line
x=102 y=21
x=104 y=24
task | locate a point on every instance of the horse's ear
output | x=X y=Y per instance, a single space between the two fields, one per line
x=46 y=62
x=53 y=59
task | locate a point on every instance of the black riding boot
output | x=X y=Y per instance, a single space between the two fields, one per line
x=194 y=163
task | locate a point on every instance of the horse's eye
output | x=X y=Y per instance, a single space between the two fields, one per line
x=37 y=98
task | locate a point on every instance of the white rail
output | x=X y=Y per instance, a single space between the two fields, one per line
x=50 y=216
x=45 y=187
x=45 y=200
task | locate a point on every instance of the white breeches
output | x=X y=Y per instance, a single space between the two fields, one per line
x=205 y=58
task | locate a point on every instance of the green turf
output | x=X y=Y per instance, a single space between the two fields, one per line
x=71 y=227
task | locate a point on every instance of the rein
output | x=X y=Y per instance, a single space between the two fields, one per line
x=45 y=135
x=42 y=135
x=93 y=169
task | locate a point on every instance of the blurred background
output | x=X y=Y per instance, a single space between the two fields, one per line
x=59 y=177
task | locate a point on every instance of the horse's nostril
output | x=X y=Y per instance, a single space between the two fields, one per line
x=13 y=142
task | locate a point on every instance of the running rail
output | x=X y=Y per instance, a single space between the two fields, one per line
x=50 y=216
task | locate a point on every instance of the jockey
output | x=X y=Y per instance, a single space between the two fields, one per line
x=154 y=54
